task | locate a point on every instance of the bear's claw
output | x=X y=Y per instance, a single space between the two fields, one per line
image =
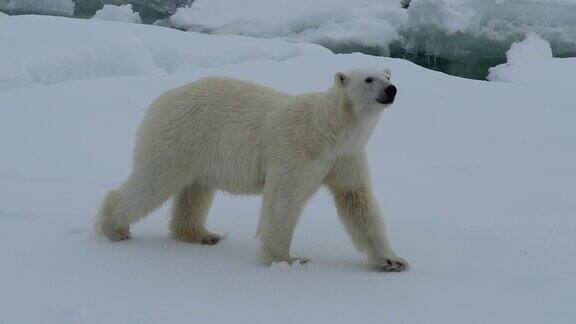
x=211 y=239
x=204 y=239
x=116 y=235
x=391 y=264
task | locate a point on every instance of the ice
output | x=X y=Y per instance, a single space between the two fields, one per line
x=530 y=62
x=42 y=7
x=476 y=180
x=486 y=26
x=524 y=59
x=149 y=10
x=530 y=50
x=335 y=24
x=122 y=13
x=440 y=16
x=447 y=28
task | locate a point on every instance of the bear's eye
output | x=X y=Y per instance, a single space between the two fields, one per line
x=368 y=80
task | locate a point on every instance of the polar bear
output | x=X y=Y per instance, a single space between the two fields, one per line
x=244 y=138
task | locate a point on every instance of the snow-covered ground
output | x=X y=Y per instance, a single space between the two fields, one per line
x=476 y=179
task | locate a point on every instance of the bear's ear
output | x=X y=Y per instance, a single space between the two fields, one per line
x=388 y=73
x=339 y=79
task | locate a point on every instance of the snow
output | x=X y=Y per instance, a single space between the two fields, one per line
x=122 y=13
x=476 y=180
x=522 y=59
x=149 y=10
x=441 y=16
x=530 y=62
x=450 y=28
x=333 y=23
x=80 y=53
x=531 y=50
x=43 y=7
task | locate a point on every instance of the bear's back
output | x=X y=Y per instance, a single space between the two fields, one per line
x=215 y=124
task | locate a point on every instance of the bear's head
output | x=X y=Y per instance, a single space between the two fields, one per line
x=367 y=88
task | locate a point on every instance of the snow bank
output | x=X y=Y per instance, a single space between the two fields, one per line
x=76 y=50
x=122 y=13
x=524 y=58
x=531 y=50
x=93 y=49
x=439 y=27
x=331 y=23
x=41 y=7
x=530 y=62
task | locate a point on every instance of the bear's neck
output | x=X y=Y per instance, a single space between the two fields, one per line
x=339 y=127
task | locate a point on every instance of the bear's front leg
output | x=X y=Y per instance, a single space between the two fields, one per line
x=282 y=205
x=350 y=184
x=360 y=215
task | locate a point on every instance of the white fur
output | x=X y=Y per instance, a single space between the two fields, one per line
x=245 y=138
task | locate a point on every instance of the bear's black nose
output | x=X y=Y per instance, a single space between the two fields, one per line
x=391 y=91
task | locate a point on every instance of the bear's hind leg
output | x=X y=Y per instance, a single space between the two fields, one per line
x=189 y=213
x=134 y=200
x=104 y=223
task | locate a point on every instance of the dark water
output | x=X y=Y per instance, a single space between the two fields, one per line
x=467 y=67
x=471 y=66
x=480 y=55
